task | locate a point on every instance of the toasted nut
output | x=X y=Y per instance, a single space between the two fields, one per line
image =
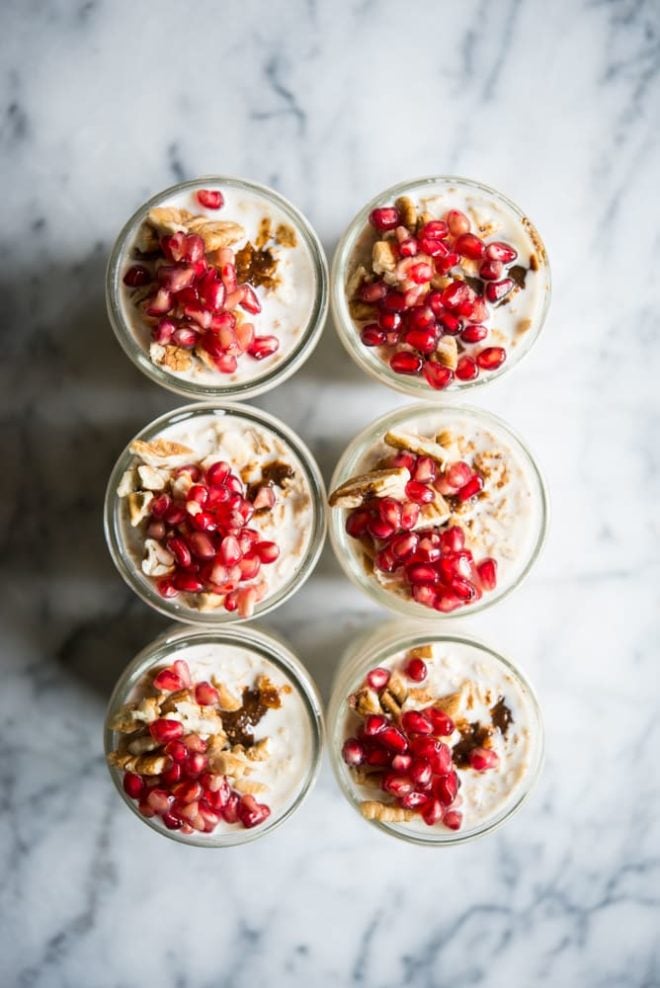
x=437 y=512
x=158 y=560
x=142 y=744
x=169 y=219
x=390 y=482
x=253 y=788
x=152 y=764
x=355 y=280
x=152 y=479
x=176 y=358
x=397 y=687
x=146 y=240
x=362 y=311
x=454 y=704
x=365 y=702
x=372 y=809
x=226 y=699
x=159 y=450
x=259 y=751
x=138 y=506
x=226 y=763
x=446 y=438
x=419 y=445
x=407 y=211
x=421 y=652
x=209 y=601
x=419 y=695
x=127 y=483
x=269 y=694
x=383 y=257
x=169 y=703
x=390 y=704
x=216 y=233
x=447 y=352
x=125 y=721
x=286 y=235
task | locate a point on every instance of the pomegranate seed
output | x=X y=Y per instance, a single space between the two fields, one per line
x=447 y=602
x=457 y=222
x=466 y=369
x=457 y=296
x=401 y=763
x=438 y=753
x=471 y=489
x=482 y=759
x=246 y=600
x=378 y=678
x=487 y=570
x=436 y=375
x=408 y=247
x=393 y=739
x=357 y=521
x=168 y=681
x=185 y=337
x=201 y=545
x=432 y=812
x=268 y=552
x=176 y=750
x=416 y=670
x=497 y=290
x=453 y=819
x=187 y=792
x=373 y=335
x=159 y=800
x=424 y=594
x=395 y=302
x=405 y=460
x=134 y=785
x=164 y=730
x=491 y=358
x=212 y=293
x=378 y=758
x=250 y=301
x=389 y=320
x=491 y=270
x=375 y=724
x=195 y=764
x=421 y=573
x=249 y=566
x=446 y=263
x=384 y=218
x=163 y=331
x=479 y=311
x=390 y=511
x=468 y=245
x=353 y=752
x=166 y=588
x=419 y=493
x=423 y=340
x=198 y=314
x=373 y=292
x=179 y=550
x=230 y=809
x=210 y=198
x=171 y=775
x=409 y=515
x=441 y=723
x=414 y=800
x=187 y=583
x=194 y=743
x=160 y=303
x=145 y=809
x=136 y=276
x=445 y=787
x=452 y=539
x=193 y=248
x=403 y=546
x=251 y=813
x=463 y=589
x=205 y=694
x=457 y=475
x=182 y=669
x=474 y=333
x=498 y=251
x=420 y=273
x=263 y=346
x=227 y=363
x=380 y=529
x=385 y=561
x=416 y=722
x=397 y=785
x=451 y=325
x=176 y=277
x=404 y=362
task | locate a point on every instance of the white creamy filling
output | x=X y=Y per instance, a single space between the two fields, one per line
x=288 y=727
x=246 y=446
x=506 y=523
x=285 y=310
x=483 y=794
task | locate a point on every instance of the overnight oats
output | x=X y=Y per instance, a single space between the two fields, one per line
x=439 y=284
x=215 y=513
x=214 y=737
x=434 y=739
x=217 y=287
x=436 y=511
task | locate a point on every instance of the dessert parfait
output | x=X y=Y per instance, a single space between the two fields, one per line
x=440 y=283
x=217 y=286
x=434 y=739
x=437 y=511
x=215 y=513
x=214 y=737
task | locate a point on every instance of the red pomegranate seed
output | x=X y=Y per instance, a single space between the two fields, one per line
x=420 y=273
x=171 y=820
x=166 y=588
x=249 y=566
x=210 y=198
x=185 y=337
x=466 y=369
x=438 y=753
x=451 y=325
x=416 y=670
x=389 y=321
x=386 y=561
x=404 y=362
x=403 y=546
x=251 y=813
x=405 y=460
x=458 y=297
x=421 y=573
x=397 y=785
x=201 y=545
x=195 y=764
x=432 y=812
x=471 y=489
x=457 y=222
x=416 y=722
x=212 y=293
x=491 y=270
x=246 y=600
x=409 y=515
x=171 y=775
x=457 y=475
x=408 y=247
x=447 y=602
x=499 y=251
x=401 y=763
x=389 y=511
x=187 y=583
x=446 y=788
x=393 y=739
x=353 y=752
x=230 y=551
x=395 y=302
x=159 y=799
x=176 y=750
x=250 y=301
x=164 y=730
x=193 y=742
x=375 y=724
x=182 y=669
x=160 y=303
x=491 y=358
x=419 y=493
x=136 y=276
x=179 y=550
x=134 y=785
x=474 y=333
x=487 y=570
x=187 y=792
x=357 y=521
x=373 y=292
x=205 y=694
x=263 y=346
x=373 y=335
x=268 y=552
x=479 y=311
x=497 y=290
x=453 y=819
x=414 y=800
x=380 y=529
x=423 y=340
x=468 y=245
x=163 y=331
x=482 y=759
x=168 y=681
x=203 y=317
x=441 y=723
x=463 y=589
x=384 y=218
x=227 y=363
x=176 y=277
x=378 y=678
x=436 y=375
x=452 y=539
x=378 y=757
x=230 y=809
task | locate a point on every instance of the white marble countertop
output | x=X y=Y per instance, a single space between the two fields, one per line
x=559 y=106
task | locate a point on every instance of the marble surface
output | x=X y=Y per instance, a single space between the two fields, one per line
x=559 y=106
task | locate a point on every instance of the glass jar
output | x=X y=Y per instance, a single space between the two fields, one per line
x=424 y=417
x=456 y=193
x=382 y=647
x=266 y=653
x=252 y=377
x=126 y=548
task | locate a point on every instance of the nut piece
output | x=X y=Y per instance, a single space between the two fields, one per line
x=127 y=483
x=394 y=695
x=383 y=258
x=253 y=788
x=142 y=744
x=355 y=280
x=259 y=751
x=168 y=219
x=152 y=479
x=407 y=211
x=138 y=506
x=421 y=652
x=352 y=493
x=174 y=357
x=365 y=702
x=226 y=699
x=361 y=311
x=456 y=703
x=447 y=352
x=371 y=809
x=158 y=561
x=419 y=445
x=216 y=233
x=437 y=512
x=146 y=240
x=226 y=763
x=286 y=235
x=158 y=450
x=124 y=721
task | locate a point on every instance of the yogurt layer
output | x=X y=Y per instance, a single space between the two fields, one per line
x=286 y=306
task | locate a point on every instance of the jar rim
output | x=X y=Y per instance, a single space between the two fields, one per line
x=344 y=548
x=258 y=641
x=374 y=647
x=239 y=390
x=126 y=566
x=363 y=356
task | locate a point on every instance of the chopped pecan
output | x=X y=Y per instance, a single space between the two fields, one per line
x=138 y=506
x=407 y=211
